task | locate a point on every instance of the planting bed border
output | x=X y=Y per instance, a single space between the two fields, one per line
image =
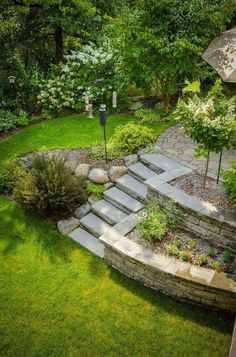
x=186 y=282
x=216 y=225
x=180 y=280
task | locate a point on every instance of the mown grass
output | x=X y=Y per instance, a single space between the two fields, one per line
x=56 y=299
x=63 y=133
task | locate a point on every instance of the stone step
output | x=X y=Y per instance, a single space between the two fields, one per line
x=159 y=163
x=132 y=187
x=141 y=172
x=94 y=224
x=88 y=241
x=108 y=212
x=122 y=200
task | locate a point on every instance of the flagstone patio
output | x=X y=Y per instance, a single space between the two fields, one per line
x=176 y=145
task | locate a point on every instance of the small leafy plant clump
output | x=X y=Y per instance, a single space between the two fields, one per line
x=186 y=256
x=229 y=177
x=216 y=265
x=192 y=244
x=173 y=250
x=227 y=256
x=9 y=120
x=212 y=252
x=157 y=221
x=202 y=259
x=95 y=189
x=48 y=187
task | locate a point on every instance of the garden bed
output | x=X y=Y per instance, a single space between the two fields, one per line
x=196 y=251
x=213 y=193
x=76 y=157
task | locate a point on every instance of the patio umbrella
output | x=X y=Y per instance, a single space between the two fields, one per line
x=221 y=55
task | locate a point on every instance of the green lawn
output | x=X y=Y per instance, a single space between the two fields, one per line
x=56 y=299
x=69 y=132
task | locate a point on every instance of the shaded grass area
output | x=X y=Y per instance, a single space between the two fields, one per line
x=70 y=132
x=56 y=299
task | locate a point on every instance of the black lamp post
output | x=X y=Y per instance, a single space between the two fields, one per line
x=102 y=114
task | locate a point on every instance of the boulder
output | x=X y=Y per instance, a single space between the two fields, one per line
x=82 y=210
x=93 y=199
x=117 y=171
x=82 y=170
x=65 y=226
x=131 y=159
x=98 y=176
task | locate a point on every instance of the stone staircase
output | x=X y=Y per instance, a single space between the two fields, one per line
x=128 y=196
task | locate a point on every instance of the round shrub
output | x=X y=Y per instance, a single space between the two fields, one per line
x=131 y=137
x=48 y=187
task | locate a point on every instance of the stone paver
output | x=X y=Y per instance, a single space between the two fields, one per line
x=159 y=162
x=122 y=200
x=94 y=224
x=176 y=145
x=132 y=186
x=108 y=212
x=88 y=241
x=141 y=172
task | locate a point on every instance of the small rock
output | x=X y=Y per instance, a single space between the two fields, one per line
x=71 y=165
x=98 y=176
x=93 y=199
x=117 y=171
x=82 y=210
x=108 y=185
x=82 y=170
x=65 y=226
x=131 y=159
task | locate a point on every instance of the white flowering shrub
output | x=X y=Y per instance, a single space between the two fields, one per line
x=77 y=79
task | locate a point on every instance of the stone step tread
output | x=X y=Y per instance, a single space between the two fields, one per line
x=141 y=172
x=88 y=241
x=108 y=212
x=94 y=224
x=132 y=187
x=122 y=200
x=159 y=162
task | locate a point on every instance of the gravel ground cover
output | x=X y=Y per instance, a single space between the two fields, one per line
x=214 y=193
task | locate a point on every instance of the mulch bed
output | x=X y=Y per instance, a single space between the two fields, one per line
x=214 y=193
x=184 y=241
x=76 y=157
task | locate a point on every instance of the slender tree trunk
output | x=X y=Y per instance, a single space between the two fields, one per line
x=58 y=36
x=207 y=165
x=166 y=101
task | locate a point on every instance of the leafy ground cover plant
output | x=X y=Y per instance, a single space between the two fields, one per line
x=173 y=250
x=146 y=116
x=186 y=256
x=96 y=189
x=9 y=120
x=229 y=177
x=49 y=188
x=202 y=259
x=8 y=175
x=157 y=221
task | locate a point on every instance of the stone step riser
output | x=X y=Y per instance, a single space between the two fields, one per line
x=135 y=176
x=94 y=225
x=130 y=193
x=117 y=205
x=132 y=187
x=108 y=212
x=141 y=172
x=88 y=241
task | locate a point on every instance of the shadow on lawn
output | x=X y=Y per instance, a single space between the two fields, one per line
x=219 y=321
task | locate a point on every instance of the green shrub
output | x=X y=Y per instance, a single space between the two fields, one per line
x=192 y=243
x=212 y=252
x=226 y=256
x=96 y=189
x=8 y=174
x=147 y=116
x=98 y=151
x=131 y=137
x=229 y=177
x=22 y=118
x=228 y=268
x=156 y=221
x=216 y=265
x=202 y=259
x=173 y=250
x=49 y=188
x=186 y=256
x=8 y=120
